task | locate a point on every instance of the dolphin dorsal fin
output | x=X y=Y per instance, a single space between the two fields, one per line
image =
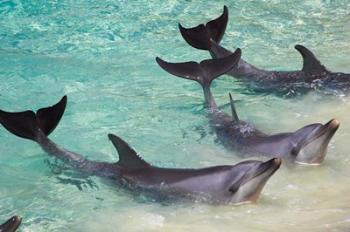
x=128 y=157
x=310 y=63
x=233 y=109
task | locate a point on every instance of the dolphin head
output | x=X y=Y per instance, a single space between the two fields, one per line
x=311 y=142
x=11 y=225
x=252 y=177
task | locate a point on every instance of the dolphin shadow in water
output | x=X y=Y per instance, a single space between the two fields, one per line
x=313 y=76
x=218 y=184
x=11 y=225
x=307 y=145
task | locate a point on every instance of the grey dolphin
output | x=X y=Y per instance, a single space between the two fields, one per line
x=313 y=75
x=218 y=184
x=307 y=145
x=11 y=225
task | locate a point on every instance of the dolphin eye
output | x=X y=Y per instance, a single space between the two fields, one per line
x=294 y=151
x=233 y=189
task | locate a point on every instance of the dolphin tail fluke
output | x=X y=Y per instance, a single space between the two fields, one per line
x=199 y=36
x=26 y=124
x=204 y=72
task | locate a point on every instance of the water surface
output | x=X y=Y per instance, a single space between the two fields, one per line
x=101 y=54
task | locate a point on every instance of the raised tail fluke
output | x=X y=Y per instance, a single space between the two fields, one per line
x=27 y=123
x=199 y=36
x=205 y=71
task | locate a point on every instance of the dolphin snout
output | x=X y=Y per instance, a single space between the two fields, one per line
x=314 y=149
x=271 y=165
x=11 y=225
x=330 y=128
x=277 y=161
x=274 y=162
x=333 y=123
x=16 y=219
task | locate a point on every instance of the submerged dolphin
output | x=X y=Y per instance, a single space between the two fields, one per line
x=11 y=225
x=219 y=184
x=307 y=145
x=313 y=75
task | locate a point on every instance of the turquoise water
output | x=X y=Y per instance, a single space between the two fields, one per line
x=101 y=54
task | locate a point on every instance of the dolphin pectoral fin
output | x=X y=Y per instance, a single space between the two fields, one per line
x=205 y=72
x=310 y=63
x=26 y=124
x=199 y=36
x=233 y=109
x=128 y=157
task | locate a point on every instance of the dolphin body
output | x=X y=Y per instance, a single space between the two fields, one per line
x=313 y=76
x=307 y=145
x=11 y=225
x=218 y=184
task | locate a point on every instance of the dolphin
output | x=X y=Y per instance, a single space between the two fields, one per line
x=11 y=225
x=313 y=75
x=238 y=183
x=308 y=145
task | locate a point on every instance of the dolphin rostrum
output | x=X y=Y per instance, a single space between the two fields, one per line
x=238 y=183
x=313 y=75
x=307 y=145
x=11 y=225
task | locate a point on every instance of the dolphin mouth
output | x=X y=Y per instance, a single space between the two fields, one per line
x=253 y=184
x=313 y=150
x=11 y=225
x=270 y=166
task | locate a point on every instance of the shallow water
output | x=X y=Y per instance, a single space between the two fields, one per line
x=101 y=54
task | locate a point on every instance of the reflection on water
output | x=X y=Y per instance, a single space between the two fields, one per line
x=102 y=57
